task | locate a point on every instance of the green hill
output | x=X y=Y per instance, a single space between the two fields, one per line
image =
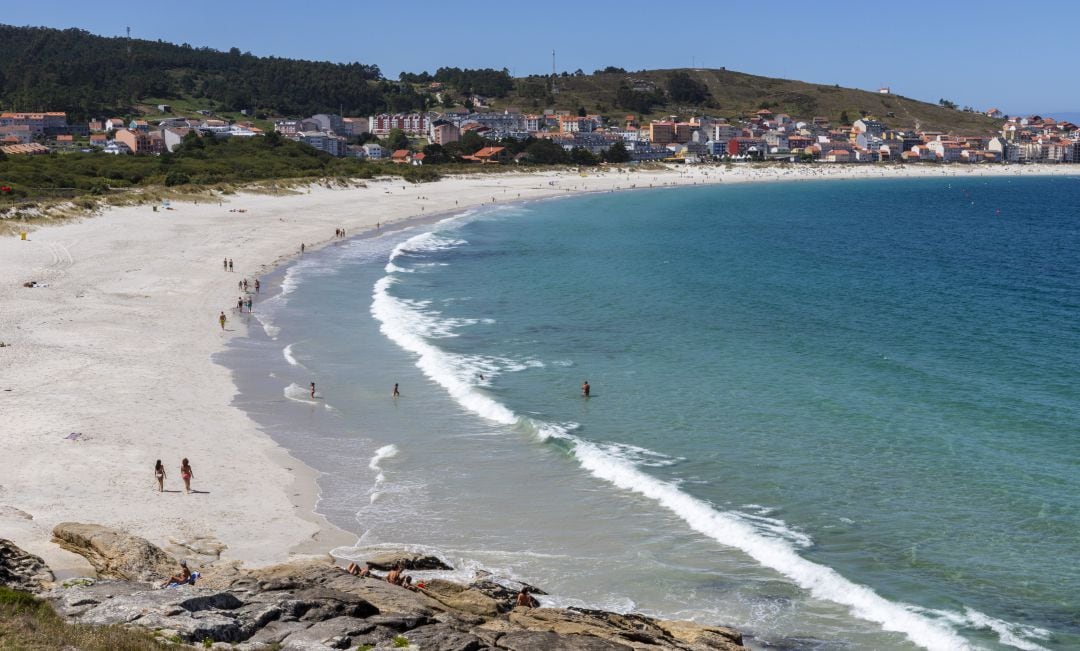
x=735 y=94
x=87 y=75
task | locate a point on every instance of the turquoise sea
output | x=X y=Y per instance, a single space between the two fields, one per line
x=832 y=414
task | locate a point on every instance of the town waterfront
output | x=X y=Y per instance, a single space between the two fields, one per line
x=833 y=415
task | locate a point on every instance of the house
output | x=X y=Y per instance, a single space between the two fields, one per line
x=332 y=144
x=112 y=124
x=140 y=142
x=164 y=108
x=139 y=125
x=869 y=127
x=330 y=122
x=443 y=132
x=838 y=156
x=661 y=132
x=372 y=150
x=354 y=126
x=489 y=155
x=413 y=124
x=115 y=147
x=173 y=137
x=995 y=113
x=16 y=133
x=25 y=149
x=400 y=157
x=417 y=158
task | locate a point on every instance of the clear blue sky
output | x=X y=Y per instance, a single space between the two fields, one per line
x=1016 y=57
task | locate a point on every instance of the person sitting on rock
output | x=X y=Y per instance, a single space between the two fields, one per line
x=181 y=577
x=356 y=570
x=526 y=600
x=394 y=575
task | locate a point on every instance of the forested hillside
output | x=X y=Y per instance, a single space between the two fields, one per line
x=72 y=70
x=91 y=76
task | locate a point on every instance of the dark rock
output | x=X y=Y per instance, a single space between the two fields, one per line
x=115 y=554
x=313 y=604
x=441 y=637
x=22 y=570
x=334 y=633
x=216 y=601
x=548 y=641
x=270 y=634
x=408 y=560
x=399 y=622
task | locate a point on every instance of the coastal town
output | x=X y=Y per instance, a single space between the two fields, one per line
x=482 y=137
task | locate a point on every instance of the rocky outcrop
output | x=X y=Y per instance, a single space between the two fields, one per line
x=21 y=570
x=114 y=554
x=383 y=561
x=313 y=604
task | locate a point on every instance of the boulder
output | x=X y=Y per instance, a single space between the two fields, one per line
x=709 y=637
x=408 y=560
x=459 y=597
x=636 y=631
x=548 y=641
x=115 y=554
x=22 y=570
x=442 y=637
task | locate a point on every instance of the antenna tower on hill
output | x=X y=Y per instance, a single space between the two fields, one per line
x=554 y=75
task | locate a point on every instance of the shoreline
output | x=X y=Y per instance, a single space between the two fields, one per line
x=119 y=349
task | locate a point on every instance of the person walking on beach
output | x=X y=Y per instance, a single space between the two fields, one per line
x=245 y=284
x=396 y=392
x=256 y=285
x=240 y=285
x=186 y=474
x=230 y=264
x=225 y=264
x=301 y=248
x=312 y=389
x=249 y=304
x=585 y=389
x=159 y=473
x=221 y=320
x=240 y=304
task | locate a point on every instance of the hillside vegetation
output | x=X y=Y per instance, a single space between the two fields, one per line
x=735 y=94
x=90 y=76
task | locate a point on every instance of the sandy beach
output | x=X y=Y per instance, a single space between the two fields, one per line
x=108 y=364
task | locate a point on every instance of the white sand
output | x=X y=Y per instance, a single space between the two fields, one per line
x=118 y=348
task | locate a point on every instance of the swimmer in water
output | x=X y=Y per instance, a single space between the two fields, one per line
x=585 y=388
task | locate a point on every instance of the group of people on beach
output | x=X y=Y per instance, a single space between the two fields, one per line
x=186 y=474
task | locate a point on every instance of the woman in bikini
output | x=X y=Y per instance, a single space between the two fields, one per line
x=186 y=474
x=159 y=472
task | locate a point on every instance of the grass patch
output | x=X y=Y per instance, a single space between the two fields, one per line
x=27 y=622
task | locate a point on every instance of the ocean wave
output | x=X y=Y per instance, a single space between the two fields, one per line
x=297 y=393
x=288 y=354
x=754 y=530
x=769 y=541
x=1014 y=635
x=420 y=246
x=385 y=452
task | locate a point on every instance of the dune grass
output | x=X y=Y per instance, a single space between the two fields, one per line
x=29 y=624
